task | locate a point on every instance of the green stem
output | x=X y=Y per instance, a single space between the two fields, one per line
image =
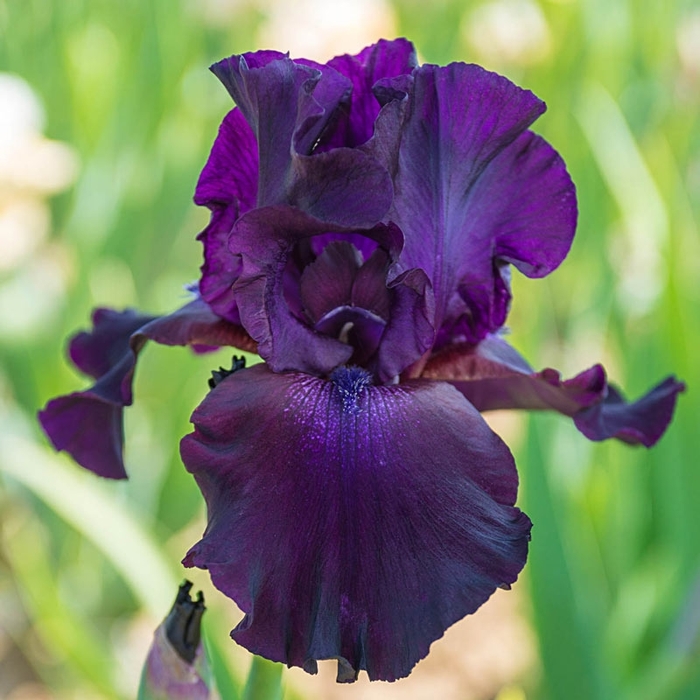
x=264 y=680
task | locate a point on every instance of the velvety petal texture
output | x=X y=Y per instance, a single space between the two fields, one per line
x=475 y=192
x=228 y=186
x=492 y=375
x=273 y=92
x=262 y=154
x=385 y=59
x=266 y=240
x=350 y=521
x=289 y=105
x=366 y=215
x=89 y=424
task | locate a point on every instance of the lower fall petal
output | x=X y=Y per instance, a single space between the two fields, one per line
x=492 y=375
x=89 y=424
x=350 y=521
x=642 y=422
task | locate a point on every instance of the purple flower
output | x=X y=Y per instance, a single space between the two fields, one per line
x=365 y=217
x=89 y=424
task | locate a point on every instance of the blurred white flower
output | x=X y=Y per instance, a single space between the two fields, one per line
x=508 y=32
x=688 y=43
x=688 y=46
x=31 y=168
x=319 y=29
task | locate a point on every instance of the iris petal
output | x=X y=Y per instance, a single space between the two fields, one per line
x=641 y=422
x=267 y=87
x=220 y=268
x=382 y=60
x=328 y=281
x=230 y=176
x=525 y=204
x=228 y=186
x=522 y=210
x=350 y=521
x=492 y=375
x=472 y=192
x=265 y=238
x=89 y=424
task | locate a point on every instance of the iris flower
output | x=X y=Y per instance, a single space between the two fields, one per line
x=365 y=216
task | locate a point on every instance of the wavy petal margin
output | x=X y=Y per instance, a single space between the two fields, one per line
x=89 y=424
x=475 y=191
x=350 y=521
x=385 y=59
x=265 y=239
x=492 y=375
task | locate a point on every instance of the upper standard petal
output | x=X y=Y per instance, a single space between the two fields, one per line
x=351 y=521
x=385 y=59
x=474 y=191
x=286 y=106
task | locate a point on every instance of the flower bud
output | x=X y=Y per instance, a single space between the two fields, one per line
x=176 y=667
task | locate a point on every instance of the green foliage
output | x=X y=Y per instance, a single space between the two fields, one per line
x=614 y=570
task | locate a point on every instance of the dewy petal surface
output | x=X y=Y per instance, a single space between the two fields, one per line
x=89 y=424
x=492 y=375
x=351 y=521
x=475 y=191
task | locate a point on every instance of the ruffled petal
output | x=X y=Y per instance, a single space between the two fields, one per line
x=472 y=191
x=524 y=204
x=642 y=422
x=228 y=186
x=349 y=521
x=265 y=239
x=385 y=59
x=289 y=104
x=230 y=176
x=492 y=375
x=221 y=267
x=89 y=424
x=410 y=332
x=97 y=352
x=284 y=105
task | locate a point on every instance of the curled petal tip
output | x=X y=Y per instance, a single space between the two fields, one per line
x=641 y=422
x=89 y=424
x=492 y=375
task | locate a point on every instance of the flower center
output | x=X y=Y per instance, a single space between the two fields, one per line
x=345 y=296
x=350 y=382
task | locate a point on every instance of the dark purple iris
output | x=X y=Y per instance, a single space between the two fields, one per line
x=365 y=217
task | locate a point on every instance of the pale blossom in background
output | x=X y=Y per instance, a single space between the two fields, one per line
x=32 y=168
x=505 y=33
x=321 y=29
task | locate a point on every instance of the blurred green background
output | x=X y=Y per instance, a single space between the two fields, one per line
x=609 y=604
